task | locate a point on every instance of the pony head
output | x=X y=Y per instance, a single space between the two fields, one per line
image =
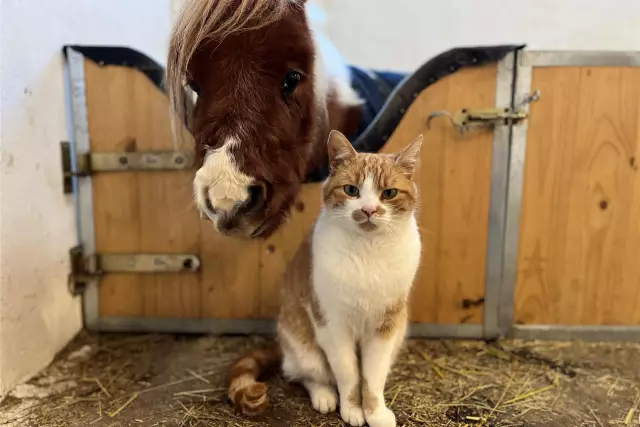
x=264 y=106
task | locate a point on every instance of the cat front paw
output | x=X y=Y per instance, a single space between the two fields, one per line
x=324 y=399
x=382 y=417
x=352 y=415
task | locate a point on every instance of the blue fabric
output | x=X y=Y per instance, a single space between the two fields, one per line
x=374 y=87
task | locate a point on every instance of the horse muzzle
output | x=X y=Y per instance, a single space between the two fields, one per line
x=238 y=218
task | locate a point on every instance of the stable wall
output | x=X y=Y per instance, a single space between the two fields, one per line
x=38 y=316
x=402 y=34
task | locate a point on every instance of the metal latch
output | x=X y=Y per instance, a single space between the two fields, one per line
x=465 y=119
x=90 y=163
x=88 y=268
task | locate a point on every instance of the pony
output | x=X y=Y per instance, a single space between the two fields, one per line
x=260 y=88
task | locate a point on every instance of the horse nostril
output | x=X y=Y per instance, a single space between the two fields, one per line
x=256 y=197
x=209 y=206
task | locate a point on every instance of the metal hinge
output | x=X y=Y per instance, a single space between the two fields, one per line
x=89 y=163
x=465 y=119
x=85 y=268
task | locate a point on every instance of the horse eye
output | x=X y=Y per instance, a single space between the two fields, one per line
x=194 y=86
x=290 y=82
x=389 y=193
x=351 y=190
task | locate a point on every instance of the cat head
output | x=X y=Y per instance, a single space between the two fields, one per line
x=370 y=192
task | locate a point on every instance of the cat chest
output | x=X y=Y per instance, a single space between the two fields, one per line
x=370 y=282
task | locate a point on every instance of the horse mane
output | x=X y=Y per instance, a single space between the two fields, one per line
x=211 y=20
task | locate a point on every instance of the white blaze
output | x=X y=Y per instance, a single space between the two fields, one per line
x=220 y=179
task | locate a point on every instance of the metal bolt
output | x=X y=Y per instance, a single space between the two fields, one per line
x=123 y=160
x=179 y=160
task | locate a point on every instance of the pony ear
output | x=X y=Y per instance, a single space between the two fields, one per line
x=408 y=157
x=339 y=147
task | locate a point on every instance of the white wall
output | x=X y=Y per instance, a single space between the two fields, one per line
x=37 y=228
x=402 y=34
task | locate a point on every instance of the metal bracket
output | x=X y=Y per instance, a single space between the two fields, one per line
x=465 y=119
x=90 y=163
x=92 y=267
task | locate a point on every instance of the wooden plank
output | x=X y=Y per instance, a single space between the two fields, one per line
x=454 y=180
x=278 y=251
x=580 y=228
x=240 y=279
x=139 y=211
x=230 y=275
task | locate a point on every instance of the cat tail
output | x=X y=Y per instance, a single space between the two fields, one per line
x=247 y=394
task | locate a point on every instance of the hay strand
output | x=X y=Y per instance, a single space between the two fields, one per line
x=198 y=376
x=157 y=380
x=133 y=397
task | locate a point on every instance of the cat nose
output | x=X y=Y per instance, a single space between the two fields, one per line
x=369 y=210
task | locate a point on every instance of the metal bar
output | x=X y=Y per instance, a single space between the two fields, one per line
x=83 y=191
x=187 y=325
x=514 y=200
x=443 y=331
x=498 y=201
x=144 y=263
x=258 y=326
x=523 y=73
x=138 y=161
x=579 y=59
x=581 y=333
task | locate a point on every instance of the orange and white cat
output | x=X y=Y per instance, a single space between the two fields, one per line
x=343 y=313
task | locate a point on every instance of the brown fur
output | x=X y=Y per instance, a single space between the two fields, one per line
x=297 y=299
x=355 y=397
x=392 y=319
x=369 y=401
x=248 y=395
x=316 y=310
x=354 y=168
x=238 y=57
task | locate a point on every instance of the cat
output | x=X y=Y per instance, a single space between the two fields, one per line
x=343 y=304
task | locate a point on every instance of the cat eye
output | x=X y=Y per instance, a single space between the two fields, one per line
x=351 y=190
x=389 y=193
x=290 y=83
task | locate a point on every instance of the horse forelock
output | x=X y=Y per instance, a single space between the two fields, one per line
x=203 y=21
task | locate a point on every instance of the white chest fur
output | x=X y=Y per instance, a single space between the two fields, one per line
x=358 y=276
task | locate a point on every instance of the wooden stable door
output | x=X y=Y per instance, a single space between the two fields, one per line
x=236 y=285
x=579 y=249
x=578 y=262
x=454 y=179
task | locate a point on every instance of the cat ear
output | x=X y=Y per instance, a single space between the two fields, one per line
x=340 y=149
x=408 y=157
